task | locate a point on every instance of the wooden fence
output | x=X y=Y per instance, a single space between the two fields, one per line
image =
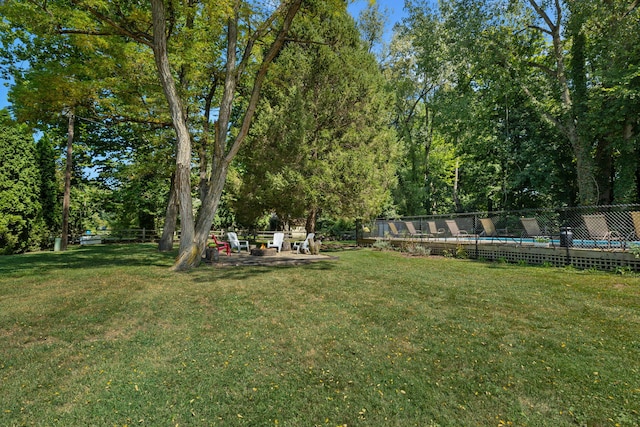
x=145 y=235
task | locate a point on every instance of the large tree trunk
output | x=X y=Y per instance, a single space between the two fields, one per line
x=213 y=186
x=605 y=170
x=584 y=165
x=310 y=226
x=189 y=255
x=193 y=237
x=210 y=205
x=568 y=123
x=66 y=199
x=170 y=220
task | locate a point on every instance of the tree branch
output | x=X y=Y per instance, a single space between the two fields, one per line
x=259 y=32
x=260 y=76
x=631 y=8
x=138 y=36
x=543 y=14
x=543 y=111
x=87 y=32
x=536 y=27
x=547 y=70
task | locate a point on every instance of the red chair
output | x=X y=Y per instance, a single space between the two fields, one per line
x=221 y=246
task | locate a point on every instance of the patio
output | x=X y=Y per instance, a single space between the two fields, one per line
x=283 y=258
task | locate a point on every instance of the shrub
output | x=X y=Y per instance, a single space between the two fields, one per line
x=382 y=245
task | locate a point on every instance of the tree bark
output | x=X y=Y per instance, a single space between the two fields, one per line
x=66 y=200
x=456 y=182
x=189 y=255
x=310 y=226
x=171 y=218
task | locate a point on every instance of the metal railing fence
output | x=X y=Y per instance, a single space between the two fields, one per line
x=612 y=227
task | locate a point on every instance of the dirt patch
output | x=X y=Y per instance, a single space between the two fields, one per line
x=282 y=258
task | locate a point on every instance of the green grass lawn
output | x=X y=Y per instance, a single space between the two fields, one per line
x=108 y=336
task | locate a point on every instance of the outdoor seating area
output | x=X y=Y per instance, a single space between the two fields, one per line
x=260 y=248
x=601 y=237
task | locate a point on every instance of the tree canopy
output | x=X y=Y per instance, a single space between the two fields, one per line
x=517 y=91
x=322 y=141
x=20 y=183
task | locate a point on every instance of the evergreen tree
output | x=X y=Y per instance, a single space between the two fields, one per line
x=20 y=209
x=322 y=141
x=49 y=188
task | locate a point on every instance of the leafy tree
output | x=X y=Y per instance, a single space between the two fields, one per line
x=20 y=209
x=534 y=96
x=605 y=54
x=321 y=142
x=417 y=70
x=49 y=188
x=205 y=53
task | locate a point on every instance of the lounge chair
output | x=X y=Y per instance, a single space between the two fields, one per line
x=237 y=244
x=278 y=238
x=412 y=230
x=220 y=246
x=304 y=245
x=532 y=228
x=434 y=231
x=599 y=230
x=635 y=218
x=490 y=229
x=393 y=230
x=455 y=231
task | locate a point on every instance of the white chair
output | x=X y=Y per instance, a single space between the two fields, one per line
x=278 y=238
x=235 y=243
x=304 y=245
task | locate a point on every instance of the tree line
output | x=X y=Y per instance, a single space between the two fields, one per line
x=516 y=104
x=184 y=114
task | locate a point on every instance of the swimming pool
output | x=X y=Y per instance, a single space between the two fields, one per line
x=529 y=241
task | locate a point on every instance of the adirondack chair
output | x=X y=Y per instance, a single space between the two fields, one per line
x=304 y=245
x=236 y=243
x=278 y=238
x=220 y=246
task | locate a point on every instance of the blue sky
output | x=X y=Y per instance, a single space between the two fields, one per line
x=393 y=7
x=3 y=95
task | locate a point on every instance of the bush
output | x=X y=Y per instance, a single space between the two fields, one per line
x=20 y=208
x=382 y=245
x=418 y=250
x=337 y=229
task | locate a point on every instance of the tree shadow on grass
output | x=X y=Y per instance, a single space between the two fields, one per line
x=91 y=256
x=242 y=272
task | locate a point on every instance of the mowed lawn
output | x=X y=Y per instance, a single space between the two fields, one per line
x=108 y=336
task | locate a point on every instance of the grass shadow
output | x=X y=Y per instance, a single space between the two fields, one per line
x=244 y=272
x=79 y=257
